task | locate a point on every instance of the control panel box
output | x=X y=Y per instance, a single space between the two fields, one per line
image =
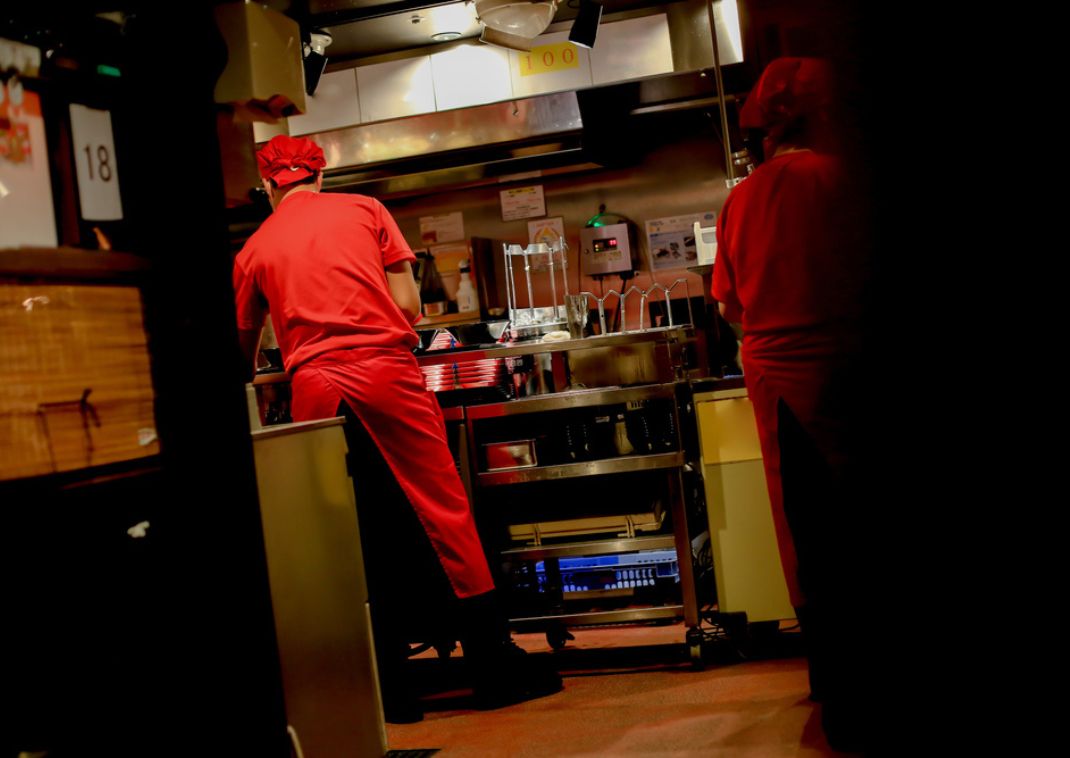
x=605 y=250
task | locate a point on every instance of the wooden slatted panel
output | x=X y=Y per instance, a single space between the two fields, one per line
x=57 y=342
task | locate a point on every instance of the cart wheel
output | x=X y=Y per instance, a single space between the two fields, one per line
x=694 y=647
x=558 y=636
x=697 y=663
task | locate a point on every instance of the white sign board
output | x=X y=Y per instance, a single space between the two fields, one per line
x=671 y=241
x=448 y=227
x=523 y=202
x=96 y=166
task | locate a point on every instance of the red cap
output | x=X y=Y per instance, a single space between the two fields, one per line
x=788 y=90
x=286 y=159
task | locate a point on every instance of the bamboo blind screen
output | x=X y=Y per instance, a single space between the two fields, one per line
x=75 y=387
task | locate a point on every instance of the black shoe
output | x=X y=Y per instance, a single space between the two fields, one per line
x=502 y=673
x=508 y=675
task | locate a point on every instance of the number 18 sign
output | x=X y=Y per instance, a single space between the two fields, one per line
x=94 y=158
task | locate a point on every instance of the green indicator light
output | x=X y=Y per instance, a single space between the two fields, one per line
x=108 y=70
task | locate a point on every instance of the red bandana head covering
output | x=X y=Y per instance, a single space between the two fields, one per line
x=286 y=159
x=789 y=90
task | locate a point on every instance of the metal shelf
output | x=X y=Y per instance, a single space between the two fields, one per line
x=596 y=547
x=677 y=333
x=620 y=465
x=604 y=617
x=573 y=399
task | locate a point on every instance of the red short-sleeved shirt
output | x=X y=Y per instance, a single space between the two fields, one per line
x=319 y=264
x=787 y=253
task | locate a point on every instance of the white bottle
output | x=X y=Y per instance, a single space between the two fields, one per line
x=466 y=292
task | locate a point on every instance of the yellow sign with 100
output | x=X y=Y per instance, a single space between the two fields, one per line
x=546 y=58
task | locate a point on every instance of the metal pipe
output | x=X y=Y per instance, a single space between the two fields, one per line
x=553 y=287
x=623 y=313
x=564 y=263
x=510 y=284
x=731 y=181
x=531 y=293
x=601 y=310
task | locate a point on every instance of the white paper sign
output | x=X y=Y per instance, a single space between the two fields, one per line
x=671 y=240
x=449 y=227
x=548 y=230
x=523 y=202
x=97 y=169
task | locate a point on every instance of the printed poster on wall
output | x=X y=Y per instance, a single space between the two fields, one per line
x=27 y=216
x=447 y=227
x=523 y=202
x=671 y=240
x=548 y=230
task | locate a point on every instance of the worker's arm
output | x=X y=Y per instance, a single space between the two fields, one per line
x=403 y=289
x=249 y=340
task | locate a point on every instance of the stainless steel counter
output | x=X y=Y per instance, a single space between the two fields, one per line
x=281 y=430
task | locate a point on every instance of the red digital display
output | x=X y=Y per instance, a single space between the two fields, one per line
x=602 y=245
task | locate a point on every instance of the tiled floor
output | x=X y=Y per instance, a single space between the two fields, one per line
x=630 y=691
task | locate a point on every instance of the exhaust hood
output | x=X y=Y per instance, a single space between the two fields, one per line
x=568 y=131
x=454 y=148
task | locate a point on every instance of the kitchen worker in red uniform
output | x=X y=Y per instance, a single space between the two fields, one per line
x=789 y=268
x=335 y=273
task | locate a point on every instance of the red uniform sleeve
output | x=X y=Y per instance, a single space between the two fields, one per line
x=249 y=303
x=392 y=243
x=724 y=286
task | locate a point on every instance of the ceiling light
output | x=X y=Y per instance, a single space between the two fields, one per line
x=445 y=36
x=585 y=27
x=514 y=24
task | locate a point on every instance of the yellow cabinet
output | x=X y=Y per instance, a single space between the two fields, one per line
x=746 y=560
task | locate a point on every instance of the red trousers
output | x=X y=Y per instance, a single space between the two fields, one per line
x=386 y=391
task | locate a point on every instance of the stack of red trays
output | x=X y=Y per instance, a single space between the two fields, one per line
x=461 y=375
